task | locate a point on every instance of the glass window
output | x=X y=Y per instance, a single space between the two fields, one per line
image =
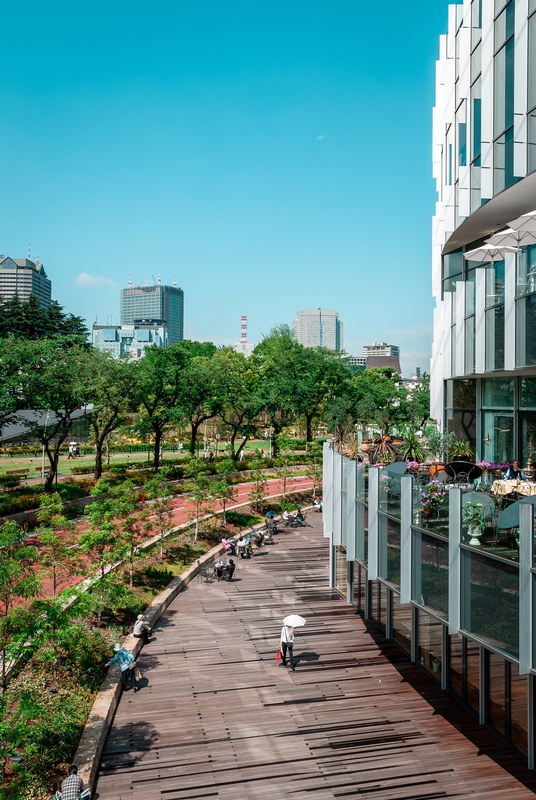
x=389 y=547
x=531 y=134
x=518 y=709
x=470 y=283
x=382 y=596
x=495 y=284
x=498 y=437
x=462 y=144
x=461 y=393
x=526 y=331
x=532 y=61
x=498 y=393
x=470 y=344
x=362 y=483
x=490 y=601
x=495 y=338
x=456 y=665
x=430 y=577
x=449 y=179
x=472 y=674
x=476 y=63
x=504 y=88
x=401 y=619
x=463 y=424
x=497 y=698
x=532 y=6
x=476 y=13
x=359 y=587
x=526 y=271
x=453 y=264
x=527 y=394
x=430 y=643
x=504 y=25
x=476 y=194
x=503 y=163
x=341 y=570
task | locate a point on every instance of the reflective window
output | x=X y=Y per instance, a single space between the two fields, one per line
x=495 y=338
x=495 y=284
x=401 y=621
x=456 y=665
x=430 y=643
x=470 y=344
x=526 y=271
x=470 y=283
x=490 y=601
x=472 y=674
x=453 y=264
x=341 y=570
x=498 y=393
x=527 y=394
x=461 y=393
x=532 y=6
x=531 y=133
x=503 y=162
x=389 y=549
x=526 y=331
x=498 y=437
x=430 y=578
x=359 y=586
x=532 y=61
x=496 y=696
x=518 y=709
x=463 y=424
x=476 y=63
x=462 y=144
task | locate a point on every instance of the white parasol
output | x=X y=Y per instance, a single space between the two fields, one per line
x=512 y=237
x=294 y=621
x=526 y=222
x=489 y=252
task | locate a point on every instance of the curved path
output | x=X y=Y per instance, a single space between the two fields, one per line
x=217 y=717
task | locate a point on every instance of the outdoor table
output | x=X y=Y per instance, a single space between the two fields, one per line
x=526 y=488
x=504 y=487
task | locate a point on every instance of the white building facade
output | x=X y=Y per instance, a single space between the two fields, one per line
x=483 y=368
x=129 y=340
x=22 y=277
x=319 y=327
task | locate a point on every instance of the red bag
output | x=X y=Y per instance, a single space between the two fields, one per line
x=278 y=655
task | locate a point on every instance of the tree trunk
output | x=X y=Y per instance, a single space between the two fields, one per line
x=309 y=427
x=157 y=443
x=53 y=459
x=237 y=455
x=98 y=458
x=193 y=436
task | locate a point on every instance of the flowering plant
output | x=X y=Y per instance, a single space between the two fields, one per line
x=412 y=464
x=433 y=496
x=491 y=465
x=472 y=515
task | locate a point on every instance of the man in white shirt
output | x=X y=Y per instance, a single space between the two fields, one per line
x=141 y=629
x=287 y=643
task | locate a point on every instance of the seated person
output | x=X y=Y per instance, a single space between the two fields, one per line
x=259 y=539
x=230 y=570
x=316 y=505
x=241 y=547
x=514 y=472
x=229 y=546
x=299 y=516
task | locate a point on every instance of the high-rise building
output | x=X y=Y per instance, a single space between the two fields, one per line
x=381 y=354
x=22 y=277
x=317 y=327
x=157 y=304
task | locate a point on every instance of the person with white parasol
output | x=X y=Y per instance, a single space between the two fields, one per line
x=287 y=637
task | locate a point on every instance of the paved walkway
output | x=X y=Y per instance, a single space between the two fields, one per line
x=218 y=718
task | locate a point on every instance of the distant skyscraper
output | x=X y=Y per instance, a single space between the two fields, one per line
x=319 y=328
x=243 y=346
x=22 y=277
x=381 y=354
x=155 y=304
x=129 y=340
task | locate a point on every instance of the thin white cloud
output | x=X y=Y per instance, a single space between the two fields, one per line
x=92 y=281
x=320 y=136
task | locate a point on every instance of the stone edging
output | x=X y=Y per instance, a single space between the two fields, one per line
x=91 y=744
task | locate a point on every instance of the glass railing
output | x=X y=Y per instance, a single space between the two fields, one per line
x=362 y=483
x=431 y=506
x=498 y=530
x=390 y=489
x=430 y=573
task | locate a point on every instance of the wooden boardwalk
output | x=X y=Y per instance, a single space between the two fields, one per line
x=219 y=718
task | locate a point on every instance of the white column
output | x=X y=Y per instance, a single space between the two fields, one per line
x=373 y=533
x=327 y=490
x=406 y=518
x=337 y=499
x=455 y=532
x=526 y=517
x=509 y=311
x=480 y=320
x=350 y=521
x=460 y=328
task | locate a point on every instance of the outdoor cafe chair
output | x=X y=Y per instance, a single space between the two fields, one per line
x=462 y=472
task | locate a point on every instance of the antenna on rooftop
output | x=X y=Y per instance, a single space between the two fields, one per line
x=29 y=259
x=174 y=281
x=159 y=280
x=130 y=281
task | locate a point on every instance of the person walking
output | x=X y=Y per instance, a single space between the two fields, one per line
x=141 y=629
x=71 y=787
x=124 y=658
x=287 y=645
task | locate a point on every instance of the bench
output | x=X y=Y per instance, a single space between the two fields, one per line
x=24 y=471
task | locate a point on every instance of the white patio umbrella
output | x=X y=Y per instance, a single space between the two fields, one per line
x=489 y=252
x=512 y=237
x=294 y=621
x=526 y=222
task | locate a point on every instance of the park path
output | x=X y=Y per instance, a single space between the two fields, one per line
x=217 y=717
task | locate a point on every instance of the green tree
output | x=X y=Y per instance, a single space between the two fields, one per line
x=56 y=551
x=202 y=502
x=239 y=380
x=112 y=383
x=28 y=319
x=134 y=525
x=19 y=582
x=277 y=392
x=159 y=492
x=258 y=490
x=201 y=394
x=225 y=492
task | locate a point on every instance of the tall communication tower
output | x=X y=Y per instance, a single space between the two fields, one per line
x=244 y=330
x=243 y=346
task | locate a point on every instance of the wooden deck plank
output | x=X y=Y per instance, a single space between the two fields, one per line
x=218 y=718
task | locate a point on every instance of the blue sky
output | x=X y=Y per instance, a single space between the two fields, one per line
x=270 y=156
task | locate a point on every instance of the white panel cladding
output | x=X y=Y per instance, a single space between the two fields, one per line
x=509 y=310
x=350 y=521
x=480 y=320
x=460 y=328
x=520 y=88
x=327 y=490
x=486 y=88
x=337 y=499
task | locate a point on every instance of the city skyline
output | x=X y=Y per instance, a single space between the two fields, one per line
x=253 y=156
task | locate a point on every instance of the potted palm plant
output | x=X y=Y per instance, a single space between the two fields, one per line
x=461 y=450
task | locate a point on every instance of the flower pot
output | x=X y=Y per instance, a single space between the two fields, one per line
x=436 y=665
x=475 y=532
x=427 y=512
x=365 y=446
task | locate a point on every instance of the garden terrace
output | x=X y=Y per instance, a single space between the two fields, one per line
x=217 y=717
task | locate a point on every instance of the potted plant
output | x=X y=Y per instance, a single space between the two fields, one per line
x=412 y=447
x=433 y=496
x=461 y=450
x=472 y=515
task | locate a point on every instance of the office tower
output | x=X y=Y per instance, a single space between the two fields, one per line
x=319 y=328
x=129 y=340
x=381 y=354
x=156 y=304
x=22 y=277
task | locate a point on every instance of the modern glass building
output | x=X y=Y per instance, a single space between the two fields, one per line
x=459 y=610
x=129 y=340
x=483 y=369
x=318 y=327
x=155 y=303
x=22 y=277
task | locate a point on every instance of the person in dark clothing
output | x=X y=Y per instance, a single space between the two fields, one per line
x=230 y=570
